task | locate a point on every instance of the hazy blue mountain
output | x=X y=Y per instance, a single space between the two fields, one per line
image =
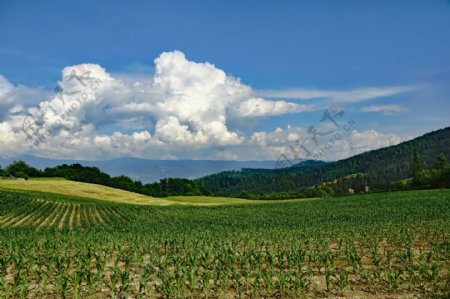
x=150 y=170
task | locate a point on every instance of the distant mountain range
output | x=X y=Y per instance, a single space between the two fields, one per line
x=149 y=171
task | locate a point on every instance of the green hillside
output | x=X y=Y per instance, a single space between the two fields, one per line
x=377 y=169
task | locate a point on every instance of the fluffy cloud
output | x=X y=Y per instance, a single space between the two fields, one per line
x=182 y=109
x=296 y=143
x=371 y=139
x=385 y=109
x=11 y=144
x=14 y=99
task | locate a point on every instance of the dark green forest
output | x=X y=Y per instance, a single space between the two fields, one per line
x=418 y=163
x=377 y=170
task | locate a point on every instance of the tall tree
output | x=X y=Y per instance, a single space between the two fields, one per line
x=417 y=169
x=441 y=162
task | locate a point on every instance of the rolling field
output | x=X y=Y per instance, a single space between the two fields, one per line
x=391 y=245
x=79 y=189
x=103 y=193
x=39 y=209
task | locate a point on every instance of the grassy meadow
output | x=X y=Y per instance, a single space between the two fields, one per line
x=391 y=245
x=108 y=194
x=80 y=189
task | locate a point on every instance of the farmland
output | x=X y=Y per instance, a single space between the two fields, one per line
x=375 y=245
x=66 y=187
x=101 y=193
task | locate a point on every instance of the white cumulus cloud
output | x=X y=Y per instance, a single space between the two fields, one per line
x=183 y=109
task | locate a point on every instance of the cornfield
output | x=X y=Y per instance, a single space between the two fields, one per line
x=377 y=245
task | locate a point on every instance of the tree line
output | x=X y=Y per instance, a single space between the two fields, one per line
x=436 y=177
x=78 y=172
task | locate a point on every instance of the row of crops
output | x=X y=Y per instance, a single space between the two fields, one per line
x=380 y=245
x=42 y=210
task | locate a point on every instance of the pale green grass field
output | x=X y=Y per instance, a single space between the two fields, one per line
x=99 y=192
x=62 y=186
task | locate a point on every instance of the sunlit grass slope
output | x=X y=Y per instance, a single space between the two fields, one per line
x=61 y=186
x=99 y=192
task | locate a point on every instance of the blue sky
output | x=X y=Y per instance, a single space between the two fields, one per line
x=277 y=46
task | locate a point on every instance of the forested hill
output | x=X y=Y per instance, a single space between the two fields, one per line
x=376 y=169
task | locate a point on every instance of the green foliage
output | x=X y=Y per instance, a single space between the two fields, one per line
x=173 y=187
x=20 y=169
x=418 y=172
x=439 y=176
x=123 y=182
x=441 y=162
x=78 y=172
x=388 y=244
